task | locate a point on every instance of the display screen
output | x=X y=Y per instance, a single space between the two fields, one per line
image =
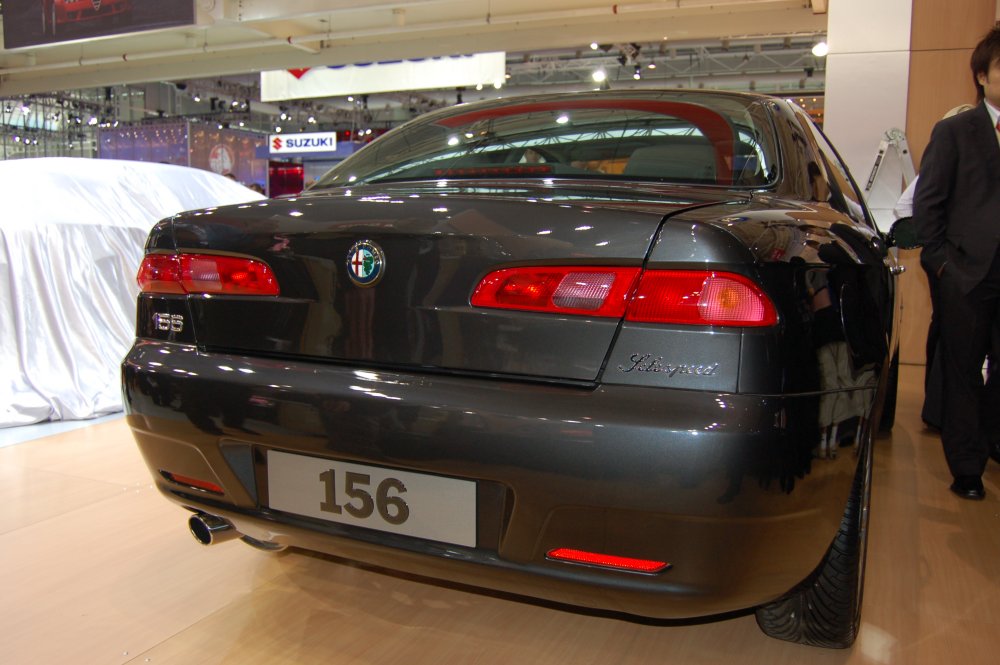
x=34 y=22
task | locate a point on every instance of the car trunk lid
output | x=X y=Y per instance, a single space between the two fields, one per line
x=435 y=246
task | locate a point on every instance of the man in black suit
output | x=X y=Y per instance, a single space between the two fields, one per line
x=957 y=211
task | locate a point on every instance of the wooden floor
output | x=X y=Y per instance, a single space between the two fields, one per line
x=96 y=567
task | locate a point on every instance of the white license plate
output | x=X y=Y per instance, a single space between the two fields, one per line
x=410 y=504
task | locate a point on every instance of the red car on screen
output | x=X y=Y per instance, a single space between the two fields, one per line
x=57 y=15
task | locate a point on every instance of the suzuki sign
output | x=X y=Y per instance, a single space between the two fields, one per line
x=284 y=144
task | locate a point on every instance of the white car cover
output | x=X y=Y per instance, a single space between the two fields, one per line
x=72 y=233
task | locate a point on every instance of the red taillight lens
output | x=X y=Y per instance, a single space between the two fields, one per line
x=160 y=273
x=206 y=273
x=583 y=290
x=608 y=560
x=700 y=297
x=689 y=297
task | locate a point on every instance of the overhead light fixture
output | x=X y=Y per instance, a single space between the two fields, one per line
x=820 y=49
x=638 y=73
x=599 y=75
x=498 y=84
x=594 y=46
x=652 y=65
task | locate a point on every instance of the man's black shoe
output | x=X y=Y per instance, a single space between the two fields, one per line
x=969 y=487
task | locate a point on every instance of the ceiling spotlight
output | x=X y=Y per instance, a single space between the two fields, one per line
x=562 y=119
x=820 y=48
x=196 y=97
x=652 y=65
x=498 y=84
x=311 y=120
x=599 y=75
x=277 y=129
x=593 y=46
x=638 y=73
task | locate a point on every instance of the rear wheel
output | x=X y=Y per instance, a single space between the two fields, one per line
x=888 y=418
x=825 y=609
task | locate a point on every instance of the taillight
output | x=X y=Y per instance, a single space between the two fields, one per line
x=700 y=297
x=206 y=273
x=688 y=297
x=584 y=290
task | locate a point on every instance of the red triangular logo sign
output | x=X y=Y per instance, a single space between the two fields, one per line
x=298 y=73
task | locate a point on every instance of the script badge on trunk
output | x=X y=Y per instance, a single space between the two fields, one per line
x=365 y=263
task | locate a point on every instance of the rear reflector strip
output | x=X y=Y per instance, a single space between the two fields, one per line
x=206 y=273
x=196 y=483
x=608 y=561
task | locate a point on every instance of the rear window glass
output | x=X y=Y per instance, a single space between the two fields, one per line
x=667 y=137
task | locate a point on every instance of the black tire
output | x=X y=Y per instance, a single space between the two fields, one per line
x=888 y=417
x=825 y=609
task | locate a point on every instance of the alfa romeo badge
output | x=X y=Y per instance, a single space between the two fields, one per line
x=365 y=263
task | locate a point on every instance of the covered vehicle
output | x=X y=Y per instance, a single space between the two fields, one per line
x=621 y=350
x=71 y=238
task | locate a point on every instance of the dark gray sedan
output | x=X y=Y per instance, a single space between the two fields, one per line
x=621 y=350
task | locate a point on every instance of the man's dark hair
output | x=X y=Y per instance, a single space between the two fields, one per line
x=986 y=52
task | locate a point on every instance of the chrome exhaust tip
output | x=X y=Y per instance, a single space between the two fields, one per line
x=211 y=530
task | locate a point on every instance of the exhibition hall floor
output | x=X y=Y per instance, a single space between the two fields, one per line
x=96 y=567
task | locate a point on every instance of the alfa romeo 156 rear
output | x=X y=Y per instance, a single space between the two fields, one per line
x=617 y=350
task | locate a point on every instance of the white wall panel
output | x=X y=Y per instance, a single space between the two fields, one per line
x=865 y=96
x=867 y=77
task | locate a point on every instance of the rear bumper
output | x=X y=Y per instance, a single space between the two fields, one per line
x=724 y=487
